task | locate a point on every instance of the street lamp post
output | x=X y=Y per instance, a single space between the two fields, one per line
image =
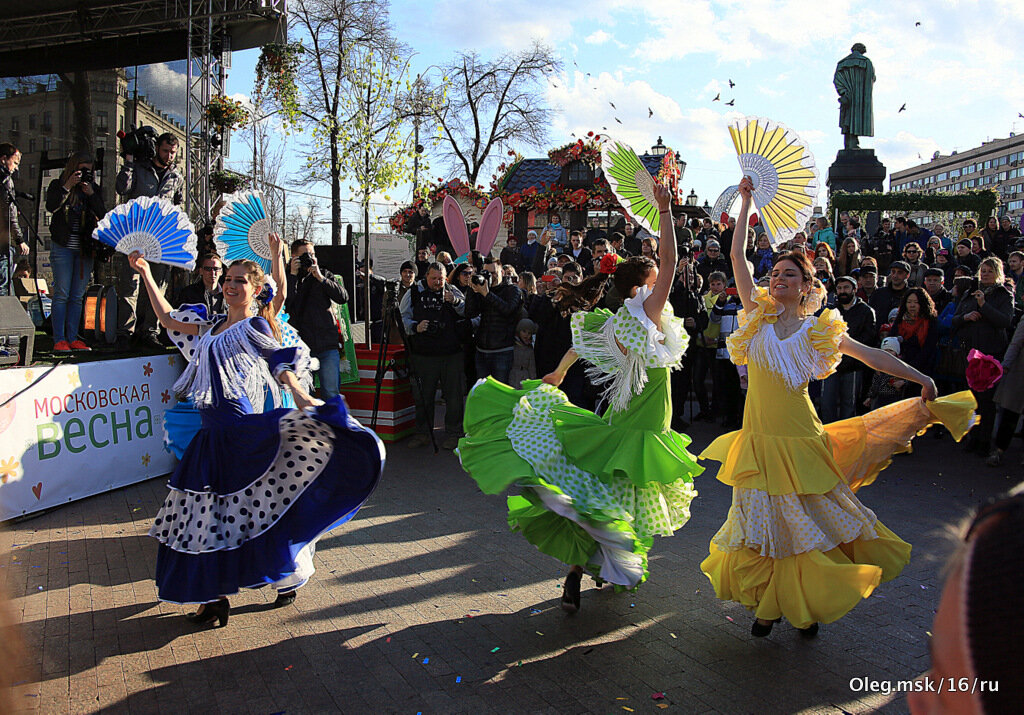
x=692 y=199
x=659 y=149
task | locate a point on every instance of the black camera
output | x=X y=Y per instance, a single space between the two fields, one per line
x=433 y=327
x=88 y=175
x=306 y=261
x=480 y=279
x=140 y=143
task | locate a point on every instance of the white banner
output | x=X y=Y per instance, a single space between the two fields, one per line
x=389 y=252
x=72 y=431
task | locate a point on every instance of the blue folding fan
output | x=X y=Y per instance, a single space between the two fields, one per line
x=243 y=229
x=154 y=227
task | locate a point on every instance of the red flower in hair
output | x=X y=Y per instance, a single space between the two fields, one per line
x=609 y=262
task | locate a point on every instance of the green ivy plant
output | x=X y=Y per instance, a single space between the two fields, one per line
x=983 y=203
x=276 y=72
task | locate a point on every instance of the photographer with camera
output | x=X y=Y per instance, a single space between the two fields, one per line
x=11 y=242
x=148 y=170
x=431 y=310
x=498 y=303
x=76 y=203
x=311 y=291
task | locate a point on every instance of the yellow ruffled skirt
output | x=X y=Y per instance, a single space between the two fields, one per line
x=797 y=543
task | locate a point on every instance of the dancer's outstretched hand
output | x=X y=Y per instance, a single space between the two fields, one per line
x=928 y=391
x=553 y=378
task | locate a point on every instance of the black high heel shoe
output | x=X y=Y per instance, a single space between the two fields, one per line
x=286 y=598
x=216 y=611
x=571 y=592
x=760 y=631
x=809 y=632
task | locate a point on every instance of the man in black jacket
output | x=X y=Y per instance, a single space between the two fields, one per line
x=430 y=311
x=713 y=262
x=498 y=303
x=888 y=297
x=687 y=304
x=311 y=293
x=840 y=390
x=205 y=291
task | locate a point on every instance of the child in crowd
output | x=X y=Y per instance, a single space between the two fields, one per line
x=885 y=389
x=524 y=364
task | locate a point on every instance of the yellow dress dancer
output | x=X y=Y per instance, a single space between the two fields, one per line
x=797 y=543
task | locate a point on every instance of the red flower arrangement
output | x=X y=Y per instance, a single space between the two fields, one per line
x=579 y=150
x=437 y=192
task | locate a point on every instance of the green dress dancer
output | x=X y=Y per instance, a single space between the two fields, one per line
x=594 y=489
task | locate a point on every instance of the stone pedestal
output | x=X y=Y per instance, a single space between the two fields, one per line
x=856 y=170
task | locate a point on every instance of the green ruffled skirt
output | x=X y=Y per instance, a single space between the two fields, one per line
x=595 y=490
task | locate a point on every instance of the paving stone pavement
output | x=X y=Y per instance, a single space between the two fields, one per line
x=426 y=602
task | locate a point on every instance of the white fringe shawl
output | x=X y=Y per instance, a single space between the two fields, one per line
x=794 y=359
x=237 y=357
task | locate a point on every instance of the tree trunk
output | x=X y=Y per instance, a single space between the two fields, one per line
x=82 y=131
x=335 y=190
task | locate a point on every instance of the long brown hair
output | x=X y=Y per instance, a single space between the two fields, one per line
x=257 y=279
x=632 y=273
x=583 y=296
x=76 y=158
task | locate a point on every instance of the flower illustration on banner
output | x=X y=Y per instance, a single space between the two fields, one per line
x=165 y=396
x=171 y=359
x=145 y=460
x=147 y=369
x=8 y=408
x=73 y=379
x=28 y=376
x=8 y=469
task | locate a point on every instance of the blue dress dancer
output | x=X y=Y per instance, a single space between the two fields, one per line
x=254 y=490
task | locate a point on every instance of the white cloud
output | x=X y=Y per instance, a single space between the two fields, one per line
x=164 y=88
x=598 y=37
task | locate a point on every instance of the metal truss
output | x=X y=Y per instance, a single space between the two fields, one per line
x=204 y=79
x=22 y=28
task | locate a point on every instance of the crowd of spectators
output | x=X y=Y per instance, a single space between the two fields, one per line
x=926 y=294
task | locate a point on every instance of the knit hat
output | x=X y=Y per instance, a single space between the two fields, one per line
x=891 y=345
x=527 y=325
x=994 y=602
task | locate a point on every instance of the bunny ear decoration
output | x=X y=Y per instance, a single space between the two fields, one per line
x=455 y=225
x=490 y=224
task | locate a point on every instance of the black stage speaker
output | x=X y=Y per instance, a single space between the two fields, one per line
x=341 y=261
x=17 y=334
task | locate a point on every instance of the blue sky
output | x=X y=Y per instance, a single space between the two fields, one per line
x=956 y=72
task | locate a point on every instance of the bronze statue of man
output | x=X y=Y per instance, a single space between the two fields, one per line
x=853 y=80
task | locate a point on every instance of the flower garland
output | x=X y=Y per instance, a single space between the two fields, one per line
x=505 y=170
x=588 y=151
x=437 y=192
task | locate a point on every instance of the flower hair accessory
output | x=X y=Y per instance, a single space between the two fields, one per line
x=269 y=290
x=983 y=371
x=609 y=262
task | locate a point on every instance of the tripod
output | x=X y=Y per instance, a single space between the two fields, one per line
x=393 y=317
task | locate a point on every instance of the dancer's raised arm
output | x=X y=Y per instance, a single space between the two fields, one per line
x=655 y=305
x=740 y=268
x=889 y=364
x=160 y=305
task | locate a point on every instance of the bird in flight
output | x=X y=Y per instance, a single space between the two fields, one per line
x=613 y=104
x=731 y=103
x=718 y=97
x=1020 y=115
x=618 y=120
x=650 y=112
x=902 y=109
x=731 y=84
x=917 y=24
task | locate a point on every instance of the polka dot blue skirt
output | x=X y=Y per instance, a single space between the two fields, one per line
x=251 y=490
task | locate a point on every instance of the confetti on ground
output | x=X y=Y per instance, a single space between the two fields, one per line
x=729 y=618
x=658 y=696
x=458 y=678
x=534 y=611
x=388 y=639
x=663 y=706
x=929 y=633
x=622 y=698
x=426 y=660
x=632 y=605
x=39 y=587
x=672 y=634
x=495 y=649
x=628 y=709
x=289 y=667
x=415 y=655
x=474 y=610
x=538 y=633
x=519 y=664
